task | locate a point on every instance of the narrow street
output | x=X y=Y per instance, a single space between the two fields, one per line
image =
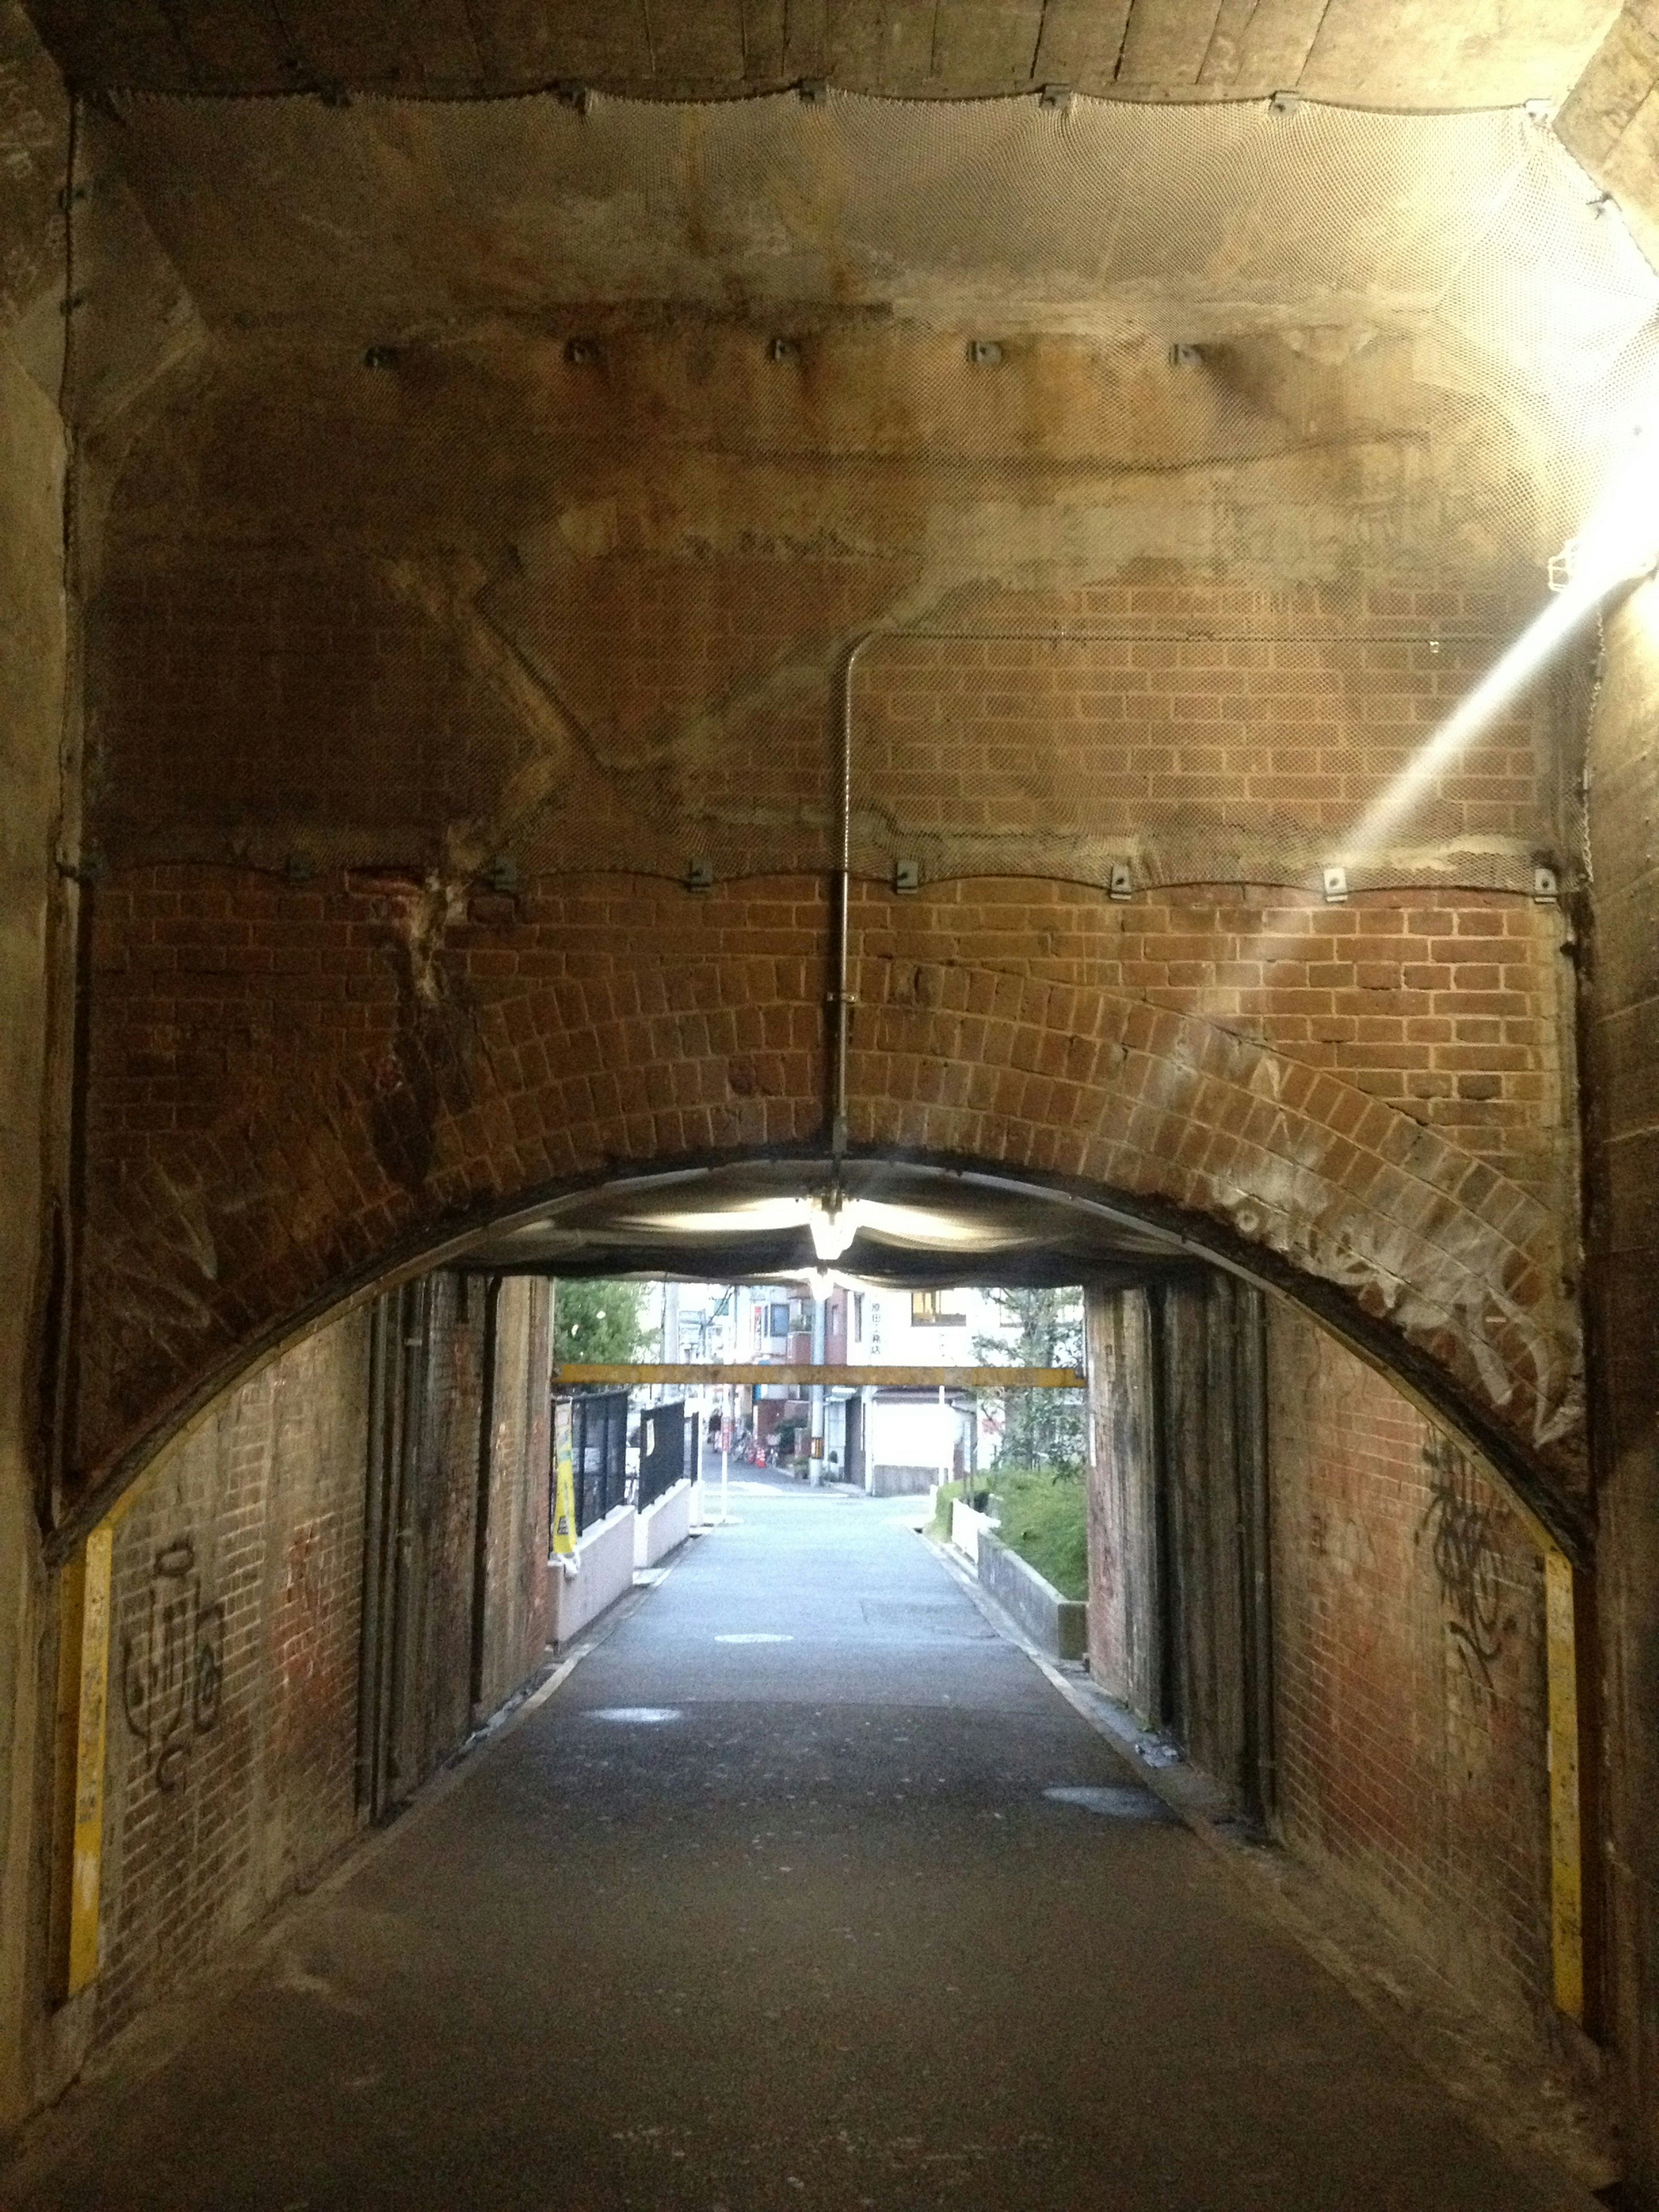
x=770 y=1905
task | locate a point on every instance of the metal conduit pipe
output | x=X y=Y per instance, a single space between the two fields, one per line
x=373 y=1586
x=840 y=996
x=489 y=1355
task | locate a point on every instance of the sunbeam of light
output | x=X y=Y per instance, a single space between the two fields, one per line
x=1619 y=545
x=1500 y=686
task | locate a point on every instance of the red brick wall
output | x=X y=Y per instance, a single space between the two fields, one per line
x=1409 y=1663
x=237 y=1587
x=238 y=1583
x=290 y=1088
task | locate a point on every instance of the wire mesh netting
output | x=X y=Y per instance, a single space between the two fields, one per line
x=1182 y=466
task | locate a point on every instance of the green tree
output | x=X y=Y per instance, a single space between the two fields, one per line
x=1040 y=1328
x=599 y=1321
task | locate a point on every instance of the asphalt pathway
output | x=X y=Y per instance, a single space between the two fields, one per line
x=771 y=1905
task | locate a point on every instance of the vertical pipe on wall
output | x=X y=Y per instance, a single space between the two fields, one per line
x=87 y=1861
x=388 y=1416
x=402 y=1759
x=372 y=1532
x=1163 y=1596
x=1259 y=1763
x=481 y=1511
x=1568 y=1897
x=841 y=956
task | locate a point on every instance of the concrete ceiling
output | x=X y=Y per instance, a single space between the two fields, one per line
x=1389 y=53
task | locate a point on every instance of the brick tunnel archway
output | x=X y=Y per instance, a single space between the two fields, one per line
x=480 y=1082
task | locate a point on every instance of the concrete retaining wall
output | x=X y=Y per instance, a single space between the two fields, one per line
x=1056 y=1624
x=966 y=1528
x=664 y=1526
x=887 y=1481
x=604 y=1572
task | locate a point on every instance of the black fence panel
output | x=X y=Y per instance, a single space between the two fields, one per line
x=668 y=1450
x=599 y=1454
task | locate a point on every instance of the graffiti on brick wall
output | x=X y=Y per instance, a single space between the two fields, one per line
x=173 y=1665
x=1459 y=1521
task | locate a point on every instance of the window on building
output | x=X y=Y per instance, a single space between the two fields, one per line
x=777 y=1321
x=927 y=1309
x=858 y=1317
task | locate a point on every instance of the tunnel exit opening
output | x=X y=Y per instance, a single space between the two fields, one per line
x=1308 y=1587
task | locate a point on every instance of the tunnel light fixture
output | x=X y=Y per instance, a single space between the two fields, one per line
x=831 y=1219
x=833 y=1223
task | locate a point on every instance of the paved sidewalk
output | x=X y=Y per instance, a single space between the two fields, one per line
x=770 y=1906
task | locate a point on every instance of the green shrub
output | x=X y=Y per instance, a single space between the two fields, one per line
x=948 y=1494
x=1044 y=1517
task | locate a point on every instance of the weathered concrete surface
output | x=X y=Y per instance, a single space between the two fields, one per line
x=966 y=1526
x=1393 y=54
x=1056 y=1624
x=813 y=1935
x=604 y=1572
x=1611 y=120
x=664 y=1525
x=33 y=676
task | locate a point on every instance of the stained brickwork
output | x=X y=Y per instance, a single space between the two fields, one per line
x=234 y=1669
x=233 y=1770
x=1409 y=1660
x=292 y=1087
x=1120 y=622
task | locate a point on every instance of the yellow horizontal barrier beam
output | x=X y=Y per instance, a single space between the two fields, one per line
x=950 y=1378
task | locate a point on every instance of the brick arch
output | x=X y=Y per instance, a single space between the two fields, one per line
x=478 y=1081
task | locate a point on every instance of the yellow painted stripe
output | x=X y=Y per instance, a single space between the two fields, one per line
x=953 y=1379
x=87 y=1853
x=1567 y=1831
